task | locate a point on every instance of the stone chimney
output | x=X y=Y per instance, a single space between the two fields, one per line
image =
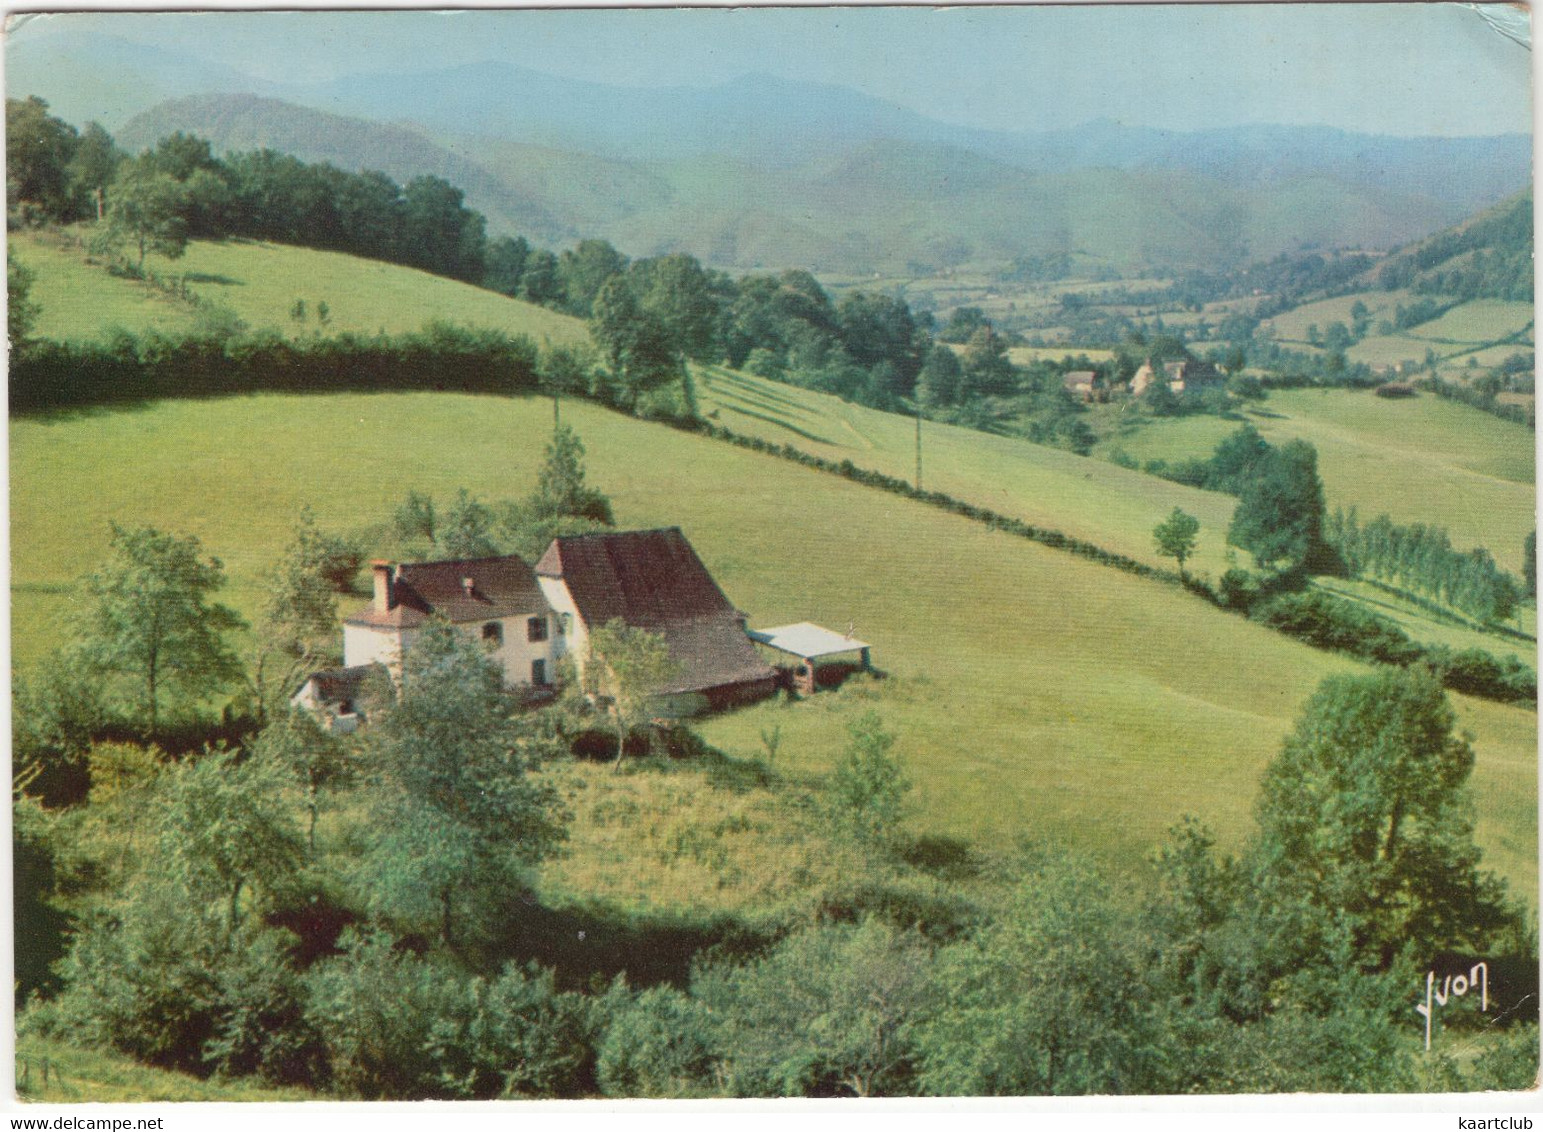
x=383 y=596
x=468 y=586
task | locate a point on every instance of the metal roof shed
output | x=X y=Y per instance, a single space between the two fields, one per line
x=810 y=643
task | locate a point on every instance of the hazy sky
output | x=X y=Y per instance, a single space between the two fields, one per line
x=1402 y=68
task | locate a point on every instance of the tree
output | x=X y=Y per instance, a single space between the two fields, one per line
x=1365 y=818
x=95 y=161
x=318 y=760
x=584 y=269
x=1279 y=517
x=560 y=486
x=455 y=813
x=867 y=791
x=414 y=519
x=439 y=233
x=38 y=151
x=634 y=667
x=833 y=1007
x=150 y=623
x=466 y=528
x=298 y=622
x=147 y=211
x=1175 y=537
x=638 y=347
x=563 y=370
x=21 y=312
x=222 y=830
x=1044 y=1000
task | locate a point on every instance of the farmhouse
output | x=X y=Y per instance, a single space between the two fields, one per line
x=1183 y=377
x=333 y=695
x=530 y=619
x=1082 y=383
x=496 y=600
x=654 y=580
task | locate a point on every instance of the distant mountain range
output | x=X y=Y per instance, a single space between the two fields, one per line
x=762 y=172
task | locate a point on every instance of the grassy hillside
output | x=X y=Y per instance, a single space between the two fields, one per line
x=82 y=1076
x=260 y=282
x=1420 y=460
x=1090 y=499
x=1034 y=693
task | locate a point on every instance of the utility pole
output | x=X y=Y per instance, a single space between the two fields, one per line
x=918 y=446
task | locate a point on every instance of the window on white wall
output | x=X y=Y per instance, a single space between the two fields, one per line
x=535 y=629
x=493 y=634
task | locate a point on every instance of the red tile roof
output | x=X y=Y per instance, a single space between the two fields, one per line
x=500 y=587
x=654 y=580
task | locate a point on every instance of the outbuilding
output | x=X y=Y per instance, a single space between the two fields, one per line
x=812 y=644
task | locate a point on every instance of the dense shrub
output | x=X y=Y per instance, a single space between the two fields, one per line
x=1329 y=622
x=658 y=1044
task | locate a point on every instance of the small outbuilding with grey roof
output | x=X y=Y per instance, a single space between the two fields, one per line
x=811 y=644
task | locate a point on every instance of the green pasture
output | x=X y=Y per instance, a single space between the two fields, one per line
x=1084 y=497
x=88 y=1076
x=261 y=282
x=79 y=301
x=1033 y=692
x=1477 y=323
x=1027 y=355
x=1293 y=324
x=1436 y=629
x=1419 y=459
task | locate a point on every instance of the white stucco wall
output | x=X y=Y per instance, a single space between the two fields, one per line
x=574 y=642
x=518 y=650
x=364 y=644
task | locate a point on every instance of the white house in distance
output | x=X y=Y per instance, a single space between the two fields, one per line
x=496 y=600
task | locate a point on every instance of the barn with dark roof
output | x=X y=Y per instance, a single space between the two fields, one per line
x=653 y=580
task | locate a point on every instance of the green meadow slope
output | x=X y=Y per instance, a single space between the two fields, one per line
x=1095 y=500
x=260 y=283
x=1035 y=693
x=1421 y=459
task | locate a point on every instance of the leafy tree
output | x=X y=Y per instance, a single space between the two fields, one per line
x=149 y=621
x=222 y=830
x=298 y=743
x=415 y=519
x=1365 y=816
x=1175 y=536
x=639 y=349
x=940 y=379
x=38 y=151
x=466 y=528
x=584 y=269
x=631 y=667
x=867 y=791
x=987 y=372
x=560 y=486
x=1044 y=1000
x=21 y=311
x=298 y=623
x=439 y=233
x=832 y=1008
x=1279 y=516
x=563 y=370
x=1236 y=460
x=658 y=1043
x=541 y=282
x=455 y=813
x=147 y=212
x=677 y=292
x=504 y=264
